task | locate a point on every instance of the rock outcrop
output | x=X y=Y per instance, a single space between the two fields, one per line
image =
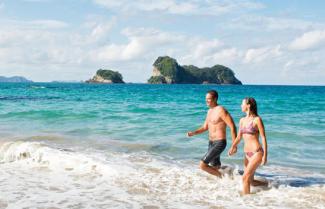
x=167 y=70
x=106 y=76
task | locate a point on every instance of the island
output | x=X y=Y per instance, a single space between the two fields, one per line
x=14 y=79
x=106 y=76
x=166 y=70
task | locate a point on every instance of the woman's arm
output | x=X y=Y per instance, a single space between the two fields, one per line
x=261 y=130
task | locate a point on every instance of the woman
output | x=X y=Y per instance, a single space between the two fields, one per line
x=250 y=128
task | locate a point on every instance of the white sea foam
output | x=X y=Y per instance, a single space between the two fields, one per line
x=36 y=175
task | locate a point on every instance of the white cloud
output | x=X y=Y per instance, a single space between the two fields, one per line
x=34 y=25
x=258 y=23
x=110 y=4
x=309 y=40
x=44 y=48
x=48 y=43
x=191 y=7
x=48 y=24
x=305 y=65
x=168 y=6
x=100 y=28
x=227 y=56
x=256 y=55
x=40 y=42
x=219 y=55
x=301 y=68
x=36 y=0
x=28 y=47
x=276 y=65
x=141 y=43
x=203 y=47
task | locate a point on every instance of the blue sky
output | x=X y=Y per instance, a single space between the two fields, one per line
x=264 y=42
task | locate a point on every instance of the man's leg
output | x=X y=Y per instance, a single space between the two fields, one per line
x=216 y=163
x=209 y=169
x=213 y=156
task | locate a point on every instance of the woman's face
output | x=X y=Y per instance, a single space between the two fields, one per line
x=244 y=106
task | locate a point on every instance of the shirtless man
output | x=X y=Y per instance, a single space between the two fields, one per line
x=216 y=122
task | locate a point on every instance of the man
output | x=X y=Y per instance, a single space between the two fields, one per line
x=216 y=122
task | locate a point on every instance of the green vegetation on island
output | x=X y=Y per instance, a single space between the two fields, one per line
x=106 y=76
x=167 y=70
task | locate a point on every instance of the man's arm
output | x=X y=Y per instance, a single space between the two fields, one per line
x=200 y=130
x=233 y=148
x=226 y=117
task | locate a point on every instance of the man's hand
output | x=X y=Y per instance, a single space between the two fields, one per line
x=190 y=133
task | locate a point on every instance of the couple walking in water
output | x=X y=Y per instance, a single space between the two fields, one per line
x=250 y=129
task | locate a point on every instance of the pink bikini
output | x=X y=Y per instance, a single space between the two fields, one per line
x=250 y=129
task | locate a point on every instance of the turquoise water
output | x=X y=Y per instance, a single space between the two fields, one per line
x=160 y=115
x=140 y=120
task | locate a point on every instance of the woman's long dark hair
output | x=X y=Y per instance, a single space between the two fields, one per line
x=253 y=105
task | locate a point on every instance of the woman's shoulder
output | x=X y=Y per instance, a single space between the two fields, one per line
x=257 y=119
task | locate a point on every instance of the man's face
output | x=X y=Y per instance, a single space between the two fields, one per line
x=210 y=100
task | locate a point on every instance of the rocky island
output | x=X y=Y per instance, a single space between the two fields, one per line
x=106 y=76
x=166 y=70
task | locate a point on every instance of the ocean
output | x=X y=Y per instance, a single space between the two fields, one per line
x=75 y=145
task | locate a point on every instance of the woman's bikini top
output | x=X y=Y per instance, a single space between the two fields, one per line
x=250 y=129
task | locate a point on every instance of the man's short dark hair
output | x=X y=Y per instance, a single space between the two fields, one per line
x=214 y=94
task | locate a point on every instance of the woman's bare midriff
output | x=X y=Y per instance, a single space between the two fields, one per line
x=251 y=142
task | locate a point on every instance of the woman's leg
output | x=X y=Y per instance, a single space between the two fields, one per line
x=250 y=168
x=253 y=181
x=245 y=165
x=245 y=162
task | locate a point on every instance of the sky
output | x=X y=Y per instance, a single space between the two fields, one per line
x=277 y=42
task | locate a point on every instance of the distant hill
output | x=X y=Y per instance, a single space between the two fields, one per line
x=167 y=70
x=14 y=79
x=106 y=76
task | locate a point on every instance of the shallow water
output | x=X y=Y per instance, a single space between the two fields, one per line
x=124 y=146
